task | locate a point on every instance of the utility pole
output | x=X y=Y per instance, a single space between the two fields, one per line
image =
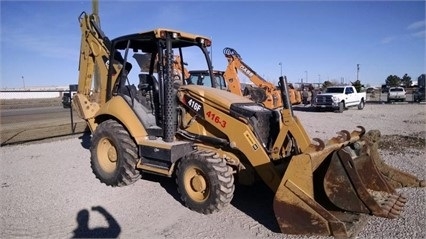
x=211 y=52
x=23 y=81
x=319 y=80
x=357 y=72
x=281 y=67
x=306 y=72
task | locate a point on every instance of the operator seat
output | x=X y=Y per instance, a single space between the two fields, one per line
x=148 y=82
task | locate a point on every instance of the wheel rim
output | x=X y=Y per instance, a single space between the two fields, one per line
x=196 y=184
x=107 y=155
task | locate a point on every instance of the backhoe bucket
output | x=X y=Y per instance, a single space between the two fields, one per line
x=395 y=177
x=330 y=189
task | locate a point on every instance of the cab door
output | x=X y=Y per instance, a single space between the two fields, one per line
x=351 y=96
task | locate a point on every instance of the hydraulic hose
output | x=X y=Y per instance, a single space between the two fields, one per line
x=231 y=52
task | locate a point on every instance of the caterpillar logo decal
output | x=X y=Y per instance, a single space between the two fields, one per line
x=194 y=105
x=251 y=140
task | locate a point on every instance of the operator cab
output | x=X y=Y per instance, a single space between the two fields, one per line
x=202 y=77
x=150 y=89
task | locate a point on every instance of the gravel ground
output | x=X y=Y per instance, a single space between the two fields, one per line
x=49 y=191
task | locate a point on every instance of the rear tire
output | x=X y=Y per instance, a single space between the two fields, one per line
x=114 y=155
x=205 y=182
x=361 y=105
x=341 y=107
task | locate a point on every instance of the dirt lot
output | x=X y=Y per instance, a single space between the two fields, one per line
x=48 y=189
x=44 y=118
x=29 y=103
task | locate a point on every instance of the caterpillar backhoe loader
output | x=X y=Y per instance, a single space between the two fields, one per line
x=204 y=137
x=264 y=91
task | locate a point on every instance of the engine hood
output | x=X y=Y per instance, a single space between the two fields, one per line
x=329 y=94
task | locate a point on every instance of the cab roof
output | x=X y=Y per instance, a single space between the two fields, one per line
x=205 y=72
x=147 y=40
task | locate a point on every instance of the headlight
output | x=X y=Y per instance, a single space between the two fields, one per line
x=335 y=99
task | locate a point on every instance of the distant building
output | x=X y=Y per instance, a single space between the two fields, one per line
x=33 y=92
x=421 y=81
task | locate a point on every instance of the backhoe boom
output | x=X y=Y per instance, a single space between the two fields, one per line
x=265 y=92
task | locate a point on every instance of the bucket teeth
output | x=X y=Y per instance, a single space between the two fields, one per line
x=398 y=208
x=393 y=206
x=402 y=199
x=399 y=203
x=320 y=144
x=396 y=212
x=329 y=188
x=391 y=200
x=344 y=135
x=392 y=216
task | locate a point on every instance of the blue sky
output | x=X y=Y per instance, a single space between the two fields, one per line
x=325 y=40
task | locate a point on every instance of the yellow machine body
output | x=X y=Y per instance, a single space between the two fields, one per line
x=204 y=137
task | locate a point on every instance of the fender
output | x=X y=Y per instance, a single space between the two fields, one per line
x=119 y=109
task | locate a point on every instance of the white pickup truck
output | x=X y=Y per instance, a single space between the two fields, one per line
x=339 y=98
x=396 y=94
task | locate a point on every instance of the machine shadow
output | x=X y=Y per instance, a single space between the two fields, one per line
x=305 y=109
x=255 y=200
x=86 y=139
x=83 y=231
x=168 y=184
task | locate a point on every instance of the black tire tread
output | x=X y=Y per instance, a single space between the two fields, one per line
x=223 y=177
x=126 y=173
x=361 y=105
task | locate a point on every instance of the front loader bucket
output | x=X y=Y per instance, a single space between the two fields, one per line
x=330 y=190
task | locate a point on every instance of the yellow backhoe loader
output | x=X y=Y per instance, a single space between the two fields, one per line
x=264 y=91
x=204 y=137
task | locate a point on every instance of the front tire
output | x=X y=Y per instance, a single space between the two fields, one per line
x=341 y=107
x=114 y=155
x=205 y=182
